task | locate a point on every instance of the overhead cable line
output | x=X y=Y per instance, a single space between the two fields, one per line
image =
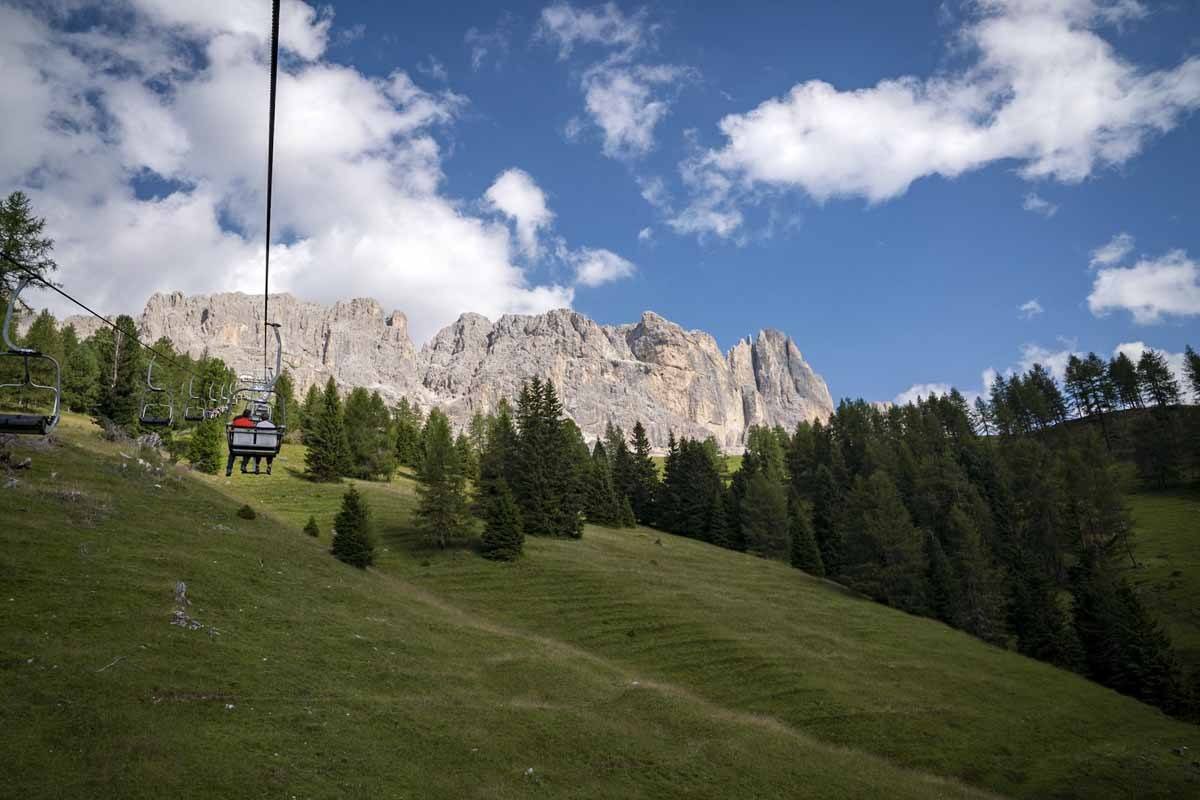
x=270 y=176
x=33 y=275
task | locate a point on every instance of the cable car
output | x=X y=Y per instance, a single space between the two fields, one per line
x=28 y=424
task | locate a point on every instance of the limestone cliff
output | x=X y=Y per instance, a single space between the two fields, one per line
x=652 y=370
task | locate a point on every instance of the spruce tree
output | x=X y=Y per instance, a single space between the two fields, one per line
x=601 y=503
x=442 y=513
x=310 y=409
x=503 y=538
x=311 y=528
x=643 y=479
x=408 y=421
x=804 y=553
x=327 y=456
x=207 y=446
x=827 y=500
x=371 y=451
x=764 y=517
x=883 y=552
x=352 y=539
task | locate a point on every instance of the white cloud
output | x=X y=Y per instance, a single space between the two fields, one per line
x=95 y=121
x=493 y=44
x=1176 y=361
x=1039 y=205
x=625 y=99
x=1111 y=253
x=1151 y=289
x=603 y=25
x=596 y=266
x=1030 y=309
x=921 y=391
x=646 y=235
x=1044 y=90
x=434 y=69
x=515 y=194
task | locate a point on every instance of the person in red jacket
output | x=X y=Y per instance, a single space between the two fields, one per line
x=240 y=421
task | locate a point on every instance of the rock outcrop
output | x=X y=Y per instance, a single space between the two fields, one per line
x=653 y=370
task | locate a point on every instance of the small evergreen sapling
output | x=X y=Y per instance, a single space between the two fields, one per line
x=311 y=527
x=352 y=541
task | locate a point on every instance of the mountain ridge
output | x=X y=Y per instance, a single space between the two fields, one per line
x=652 y=370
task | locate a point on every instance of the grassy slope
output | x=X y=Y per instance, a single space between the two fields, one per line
x=1168 y=551
x=613 y=666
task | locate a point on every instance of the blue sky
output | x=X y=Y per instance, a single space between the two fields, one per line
x=890 y=185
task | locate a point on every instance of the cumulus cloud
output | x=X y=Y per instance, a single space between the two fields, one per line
x=597 y=266
x=1045 y=90
x=515 y=194
x=1153 y=288
x=137 y=142
x=1030 y=309
x=646 y=235
x=624 y=98
x=1112 y=252
x=1039 y=205
x=921 y=391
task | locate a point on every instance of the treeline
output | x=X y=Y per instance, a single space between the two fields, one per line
x=1000 y=521
x=1156 y=430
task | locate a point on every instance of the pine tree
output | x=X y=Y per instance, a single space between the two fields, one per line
x=80 y=374
x=285 y=393
x=883 y=552
x=601 y=503
x=442 y=511
x=827 y=499
x=408 y=422
x=503 y=538
x=1124 y=648
x=804 y=553
x=21 y=239
x=371 y=452
x=207 y=446
x=943 y=588
x=764 y=517
x=643 y=479
x=310 y=409
x=1124 y=376
x=327 y=456
x=1154 y=374
x=122 y=373
x=311 y=528
x=1191 y=367
x=352 y=540
x=468 y=461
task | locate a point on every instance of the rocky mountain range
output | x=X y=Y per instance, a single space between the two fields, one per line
x=652 y=370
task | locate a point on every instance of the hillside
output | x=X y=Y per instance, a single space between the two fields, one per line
x=628 y=664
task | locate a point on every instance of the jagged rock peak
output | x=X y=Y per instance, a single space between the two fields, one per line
x=652 y=370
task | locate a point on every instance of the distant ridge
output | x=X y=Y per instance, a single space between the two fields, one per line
x=652 y=370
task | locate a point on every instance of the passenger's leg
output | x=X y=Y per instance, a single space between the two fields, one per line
x=229 y=466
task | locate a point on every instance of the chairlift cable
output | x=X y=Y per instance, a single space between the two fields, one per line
x=270 y=176
x=120 y=332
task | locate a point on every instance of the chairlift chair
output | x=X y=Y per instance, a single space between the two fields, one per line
x=158 y=405
x=264 y=404
x=28 y=424
x=195 y=406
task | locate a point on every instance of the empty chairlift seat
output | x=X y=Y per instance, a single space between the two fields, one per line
x=25 y=423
